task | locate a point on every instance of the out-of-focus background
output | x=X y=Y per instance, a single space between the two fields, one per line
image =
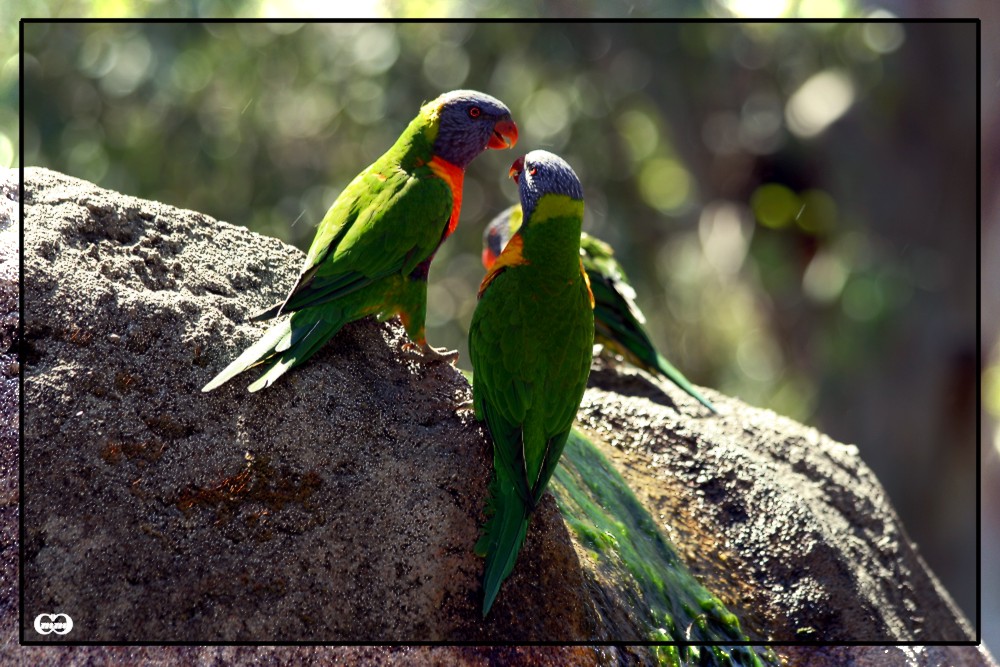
x=795 y=203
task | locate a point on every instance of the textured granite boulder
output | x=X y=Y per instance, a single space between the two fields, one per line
x=780 y=518
x=340 y=504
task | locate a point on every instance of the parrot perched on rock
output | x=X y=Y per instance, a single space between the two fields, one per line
x=374 y=247
x=617 y=319
x=530 y=343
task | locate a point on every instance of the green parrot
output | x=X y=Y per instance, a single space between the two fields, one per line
x=374 y=247
x=617 y=319
x=530 y=343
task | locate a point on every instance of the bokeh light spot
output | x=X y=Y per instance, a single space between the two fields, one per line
x=9 y=72
x=446 y=66
x=756 y=8
x=825 y=277
x=88 y=160
x=630 y=71
x=826 y=9
x=440 y=305
x=818 y=214
x=97 y=55
x=665 y=184
x=863 y=299
x=821 y=100
x=312 y=109
x=322 y=9
x=6 y=151
x=518 y=78
x=132 y=65
x=759 y=356
x=640 y=134
x=724 y=230
x=190 y=72
x=774 y=205
x=367 y=102
x=882 y=37
x=991 y=390
x=547 y=113
x=375 y=48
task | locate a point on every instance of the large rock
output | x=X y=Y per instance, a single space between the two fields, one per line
x=341 y=504
x=788 y=527
x=782 y=521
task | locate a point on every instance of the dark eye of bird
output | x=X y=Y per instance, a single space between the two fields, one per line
x=474 y=112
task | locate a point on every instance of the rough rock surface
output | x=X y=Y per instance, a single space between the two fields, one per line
x=337 y=505
x=9 y=404
x=789 y=526
x=340 y=504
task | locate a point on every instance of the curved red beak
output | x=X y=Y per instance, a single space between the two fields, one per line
x=516 y=169
x=504 y=135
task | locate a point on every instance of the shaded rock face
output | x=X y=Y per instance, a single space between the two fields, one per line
x=787 y=526
x=342 y=503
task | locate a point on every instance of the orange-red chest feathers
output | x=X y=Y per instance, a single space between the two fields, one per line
x=454 y=177
x=511 y=256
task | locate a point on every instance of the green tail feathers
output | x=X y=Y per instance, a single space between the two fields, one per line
x=675 y=376
x=618 y=328
x=502 y=538
x=283 y=347
x=268 y=313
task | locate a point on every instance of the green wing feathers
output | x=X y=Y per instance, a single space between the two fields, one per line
x=374 y=241
x=316 y=292
x=252 y=355
x=508 y=449
x=675 y=376
x=283 y=347
x=310 y=330
x=618 y=326
x=503 y=535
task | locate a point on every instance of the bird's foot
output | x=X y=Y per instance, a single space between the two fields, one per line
x=427 y=354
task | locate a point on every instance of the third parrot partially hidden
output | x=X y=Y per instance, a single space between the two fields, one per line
x=530 y=343
x=618 y=322
x=373 y=249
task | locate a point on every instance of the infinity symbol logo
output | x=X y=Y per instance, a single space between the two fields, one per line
x=49 y=623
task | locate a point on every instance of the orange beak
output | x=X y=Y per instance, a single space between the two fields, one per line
x=504 y=135
x=516 y=169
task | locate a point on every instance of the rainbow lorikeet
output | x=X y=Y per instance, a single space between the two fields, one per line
x=530 y=343
x=374 y=247
x=618 y=322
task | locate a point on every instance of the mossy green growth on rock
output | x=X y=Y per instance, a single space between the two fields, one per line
x=626 y=545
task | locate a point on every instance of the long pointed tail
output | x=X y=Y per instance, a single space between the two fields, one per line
x=678 y=379
x=616 y=326
x=503 y=536
x=284 y=346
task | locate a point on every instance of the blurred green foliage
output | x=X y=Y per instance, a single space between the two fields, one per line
x=266 y=136
x=790 y=200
